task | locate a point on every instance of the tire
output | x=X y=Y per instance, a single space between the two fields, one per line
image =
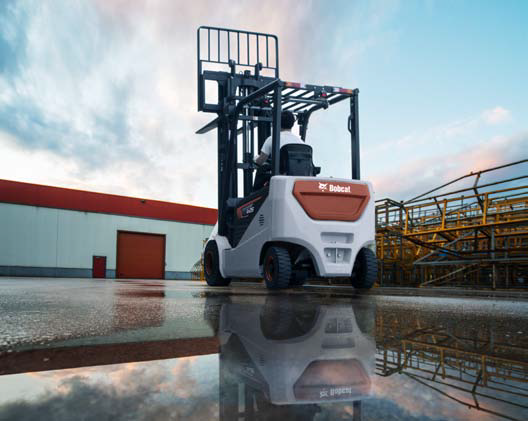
x=365 y=269
x=213 y=304
x=212 y=266
x=284 y=317
x=277 y=317
x=298 y=278
x=277 y=268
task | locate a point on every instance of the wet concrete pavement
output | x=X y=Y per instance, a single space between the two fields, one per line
x=85 y=349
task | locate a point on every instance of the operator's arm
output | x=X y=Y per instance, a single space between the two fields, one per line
x=265 y=152
x=261 y=158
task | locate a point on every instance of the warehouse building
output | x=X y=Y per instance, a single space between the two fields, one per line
x=52 y=231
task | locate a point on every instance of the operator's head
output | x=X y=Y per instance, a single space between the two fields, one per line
x=287 y=120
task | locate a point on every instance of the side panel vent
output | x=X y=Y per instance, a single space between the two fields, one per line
x=261 y=220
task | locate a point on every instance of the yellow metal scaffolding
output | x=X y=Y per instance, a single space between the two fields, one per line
x=476 y=235
x=471 y=365
x=197 y=271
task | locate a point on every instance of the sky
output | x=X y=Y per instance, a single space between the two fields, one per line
x=188 y=388
x=100 y=95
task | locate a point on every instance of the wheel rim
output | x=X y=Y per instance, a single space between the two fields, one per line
x=270 y=268
x=208 y=262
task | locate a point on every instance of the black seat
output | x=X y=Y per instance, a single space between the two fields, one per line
x=296 y=159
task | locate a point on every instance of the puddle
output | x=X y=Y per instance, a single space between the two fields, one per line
x=284 y=356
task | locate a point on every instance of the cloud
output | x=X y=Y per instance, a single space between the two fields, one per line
x=102 y=94
x=496 y=115
x=158 y=390
x=419 y=175
x=452 y=134
x=418 y=402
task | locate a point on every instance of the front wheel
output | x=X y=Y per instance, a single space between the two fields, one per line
x=277 y=268
x=212 y=266
x=365 y=269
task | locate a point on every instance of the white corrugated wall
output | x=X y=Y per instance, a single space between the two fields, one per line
x=33 y=236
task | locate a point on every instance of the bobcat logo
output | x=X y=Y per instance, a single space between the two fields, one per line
x=323 y=186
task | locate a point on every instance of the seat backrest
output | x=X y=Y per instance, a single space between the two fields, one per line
x=296 y=159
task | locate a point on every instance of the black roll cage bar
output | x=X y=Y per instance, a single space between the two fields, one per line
x=256 y=100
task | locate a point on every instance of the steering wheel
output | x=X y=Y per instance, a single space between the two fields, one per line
x=266 y=167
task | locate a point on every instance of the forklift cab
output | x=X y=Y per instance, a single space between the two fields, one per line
x=277 y=225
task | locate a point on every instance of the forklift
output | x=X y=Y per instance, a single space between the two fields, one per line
x=286 y=356
x=294 y=226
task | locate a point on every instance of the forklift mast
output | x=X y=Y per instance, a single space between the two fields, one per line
x=244 y=65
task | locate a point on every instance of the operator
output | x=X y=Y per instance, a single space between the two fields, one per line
x=286 y=137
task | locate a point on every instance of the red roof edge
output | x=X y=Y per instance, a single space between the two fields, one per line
x=85 y=201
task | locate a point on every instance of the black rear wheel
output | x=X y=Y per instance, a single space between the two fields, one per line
x=298 y=278
x=284 y=316
x=277 y=268
x=212 y=266
x=365 y=269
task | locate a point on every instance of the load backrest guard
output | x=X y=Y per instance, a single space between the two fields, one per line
x=231 y=51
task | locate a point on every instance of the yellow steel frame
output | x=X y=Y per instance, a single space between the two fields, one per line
x=495 y=211
x=445 y=360
x=488 y=228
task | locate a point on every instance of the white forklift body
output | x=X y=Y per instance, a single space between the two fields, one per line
x=331 y=361
x=303 y=216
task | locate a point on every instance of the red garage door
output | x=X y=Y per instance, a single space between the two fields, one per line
x=140 y=255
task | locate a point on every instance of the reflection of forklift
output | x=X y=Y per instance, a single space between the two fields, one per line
x=287 y=357
x=296 y=226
